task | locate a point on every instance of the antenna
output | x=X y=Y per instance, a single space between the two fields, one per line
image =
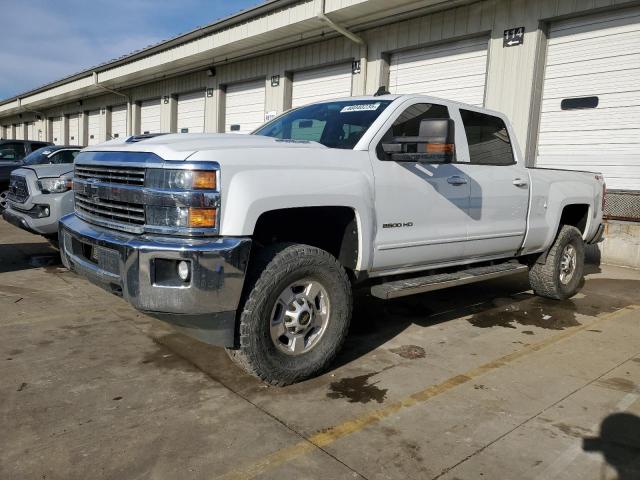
x=382 y=91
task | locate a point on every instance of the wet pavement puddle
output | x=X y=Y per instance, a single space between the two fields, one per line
x=410 y=352
x=357 y=389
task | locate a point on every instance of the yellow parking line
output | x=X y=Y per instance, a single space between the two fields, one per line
x=332 y=434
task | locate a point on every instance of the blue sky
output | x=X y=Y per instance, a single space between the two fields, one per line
x=45 y=40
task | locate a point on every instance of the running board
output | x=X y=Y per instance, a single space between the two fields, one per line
x=438 y=281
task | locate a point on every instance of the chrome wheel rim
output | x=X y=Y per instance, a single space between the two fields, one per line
x=300 y=317
x=568 y=263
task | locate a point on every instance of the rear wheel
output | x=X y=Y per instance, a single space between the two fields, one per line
x=295 y=316
x=559 y=277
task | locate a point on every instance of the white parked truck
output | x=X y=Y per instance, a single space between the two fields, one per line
x=254 y=242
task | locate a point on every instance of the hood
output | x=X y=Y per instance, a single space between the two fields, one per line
x=180 y=146
x=49 y=170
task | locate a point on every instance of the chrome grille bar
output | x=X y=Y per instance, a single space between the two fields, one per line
x=118 y=175
x=118 y=211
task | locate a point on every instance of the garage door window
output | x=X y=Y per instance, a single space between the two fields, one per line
x=488 y=138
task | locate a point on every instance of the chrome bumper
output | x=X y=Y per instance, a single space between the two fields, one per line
x=203 y=307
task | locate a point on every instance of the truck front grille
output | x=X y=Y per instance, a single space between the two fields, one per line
x=108 y=174
x=115 y=212
x=18 y=189
x=94 y=203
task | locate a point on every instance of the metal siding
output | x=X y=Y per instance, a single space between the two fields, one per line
x=93 y=127
x=455 y=71
x=191 y=112
x=31 y=131
x=245 y=103
x=150 y=116
x=20 y=131
x=56 y=131
x=321 y=84
x=594 y=56
x=119 y=121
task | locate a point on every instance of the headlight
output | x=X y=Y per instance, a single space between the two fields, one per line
x=181 y=217
x=54 y=185
x=167 y=179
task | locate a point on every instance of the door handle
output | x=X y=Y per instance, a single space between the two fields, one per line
x=457 y=180
x=518 y=182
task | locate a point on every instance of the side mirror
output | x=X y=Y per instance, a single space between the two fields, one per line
x=434 y=144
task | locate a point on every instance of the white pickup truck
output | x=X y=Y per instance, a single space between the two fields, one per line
x=254 y=242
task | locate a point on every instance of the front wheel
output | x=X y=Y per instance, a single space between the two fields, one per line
x=295 y=316
x=559 y=277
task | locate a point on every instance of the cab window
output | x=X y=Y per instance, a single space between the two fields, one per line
x=408 y=123
x=12 y=151
x=488 y=138
x=64 y=156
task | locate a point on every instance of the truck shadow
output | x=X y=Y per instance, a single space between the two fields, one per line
x=505 y=303
x=25 y=256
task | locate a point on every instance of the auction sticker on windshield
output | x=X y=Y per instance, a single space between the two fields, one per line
x=363 y=107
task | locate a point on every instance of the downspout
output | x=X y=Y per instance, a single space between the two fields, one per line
x=115 y=92
x=364 y=56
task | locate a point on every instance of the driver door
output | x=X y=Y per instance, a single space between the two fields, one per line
x=422 y=208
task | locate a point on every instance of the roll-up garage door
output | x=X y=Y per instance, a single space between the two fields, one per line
x=150 y=116
x=590 y=113
x=74 y=130
x=19 y=131
x=6 y=132
x=455 y=71
x=93 y=127
x=119 y=121
x=244 y=105
x=56 y=131
x=321 y=84
x=31 y=131
x=191 y=112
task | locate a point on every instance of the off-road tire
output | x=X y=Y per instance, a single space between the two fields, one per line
x=545 y=277
x=270 y=271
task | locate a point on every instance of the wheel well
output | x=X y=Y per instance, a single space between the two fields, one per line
x=333 y=229
x=576 y=216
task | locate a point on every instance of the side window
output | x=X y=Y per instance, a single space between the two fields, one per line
x=65 y=156
x=12 y=151
x=408 y=123
x=488 y=138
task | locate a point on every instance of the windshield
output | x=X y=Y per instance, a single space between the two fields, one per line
x=38 y=157
x=333 y=124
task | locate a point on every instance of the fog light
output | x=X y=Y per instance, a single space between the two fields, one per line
x=46 y=211
x=184 y=270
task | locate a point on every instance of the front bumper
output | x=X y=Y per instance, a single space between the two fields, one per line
x=21 y=214
x=18 y=220
x=203 y=307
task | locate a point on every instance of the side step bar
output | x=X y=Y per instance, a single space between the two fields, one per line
x=438 y=281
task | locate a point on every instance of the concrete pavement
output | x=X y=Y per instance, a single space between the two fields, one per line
x=481 y=381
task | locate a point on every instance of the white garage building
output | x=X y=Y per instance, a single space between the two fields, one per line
x=567 y=74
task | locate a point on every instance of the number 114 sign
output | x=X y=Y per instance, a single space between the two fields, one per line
x=513 y=37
